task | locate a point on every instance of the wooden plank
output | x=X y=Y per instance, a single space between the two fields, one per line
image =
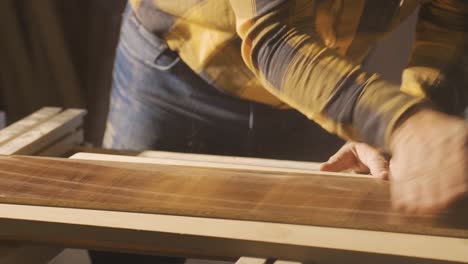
x=27 y=123
x=250 y=260
x=90 y=149
x=207 y=164
x=256 y=162
x=63 y=145
x=45 y=133
x=287 y=262
x=220 y=238
x=291 y=198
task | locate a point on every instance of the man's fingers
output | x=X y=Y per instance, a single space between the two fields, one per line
x=374 y=160
x=334 y=166
x=378 y=167
x=344 y=159
x=360 y=158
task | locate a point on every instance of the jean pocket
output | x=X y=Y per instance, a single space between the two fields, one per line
x=146 y=46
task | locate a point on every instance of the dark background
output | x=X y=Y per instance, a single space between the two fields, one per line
x=58 y=53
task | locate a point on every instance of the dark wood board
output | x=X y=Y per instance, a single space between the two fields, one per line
x=292 y=198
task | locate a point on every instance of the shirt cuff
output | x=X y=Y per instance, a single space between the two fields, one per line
x=378 y=110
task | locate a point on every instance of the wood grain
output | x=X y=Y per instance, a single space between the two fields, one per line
x=291 y=198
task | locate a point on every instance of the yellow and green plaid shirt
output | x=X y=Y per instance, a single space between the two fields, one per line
x=306 y=54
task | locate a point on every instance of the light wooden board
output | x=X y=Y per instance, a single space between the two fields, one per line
x=218 y=238
x=287 y=262
x=229 y=160
x=179 y=160
x=44 y=134
x=250 y=260
x=27 y=123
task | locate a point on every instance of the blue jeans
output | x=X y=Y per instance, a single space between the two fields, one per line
x=158 y=102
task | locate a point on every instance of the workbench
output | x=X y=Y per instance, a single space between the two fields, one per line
x=254 y=211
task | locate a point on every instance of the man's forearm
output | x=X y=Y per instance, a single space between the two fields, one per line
x=298 y=68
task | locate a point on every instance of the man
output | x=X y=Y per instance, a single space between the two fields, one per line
x=218 y=76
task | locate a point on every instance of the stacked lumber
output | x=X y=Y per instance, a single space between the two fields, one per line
x=50 y=131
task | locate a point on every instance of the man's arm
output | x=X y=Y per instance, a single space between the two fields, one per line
x=437 y=69
x=281 y=47
x=429 y=168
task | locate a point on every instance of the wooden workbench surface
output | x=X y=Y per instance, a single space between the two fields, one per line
x=290 y=198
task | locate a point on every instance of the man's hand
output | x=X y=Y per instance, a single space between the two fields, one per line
x=429 y=167
x=358 y=157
